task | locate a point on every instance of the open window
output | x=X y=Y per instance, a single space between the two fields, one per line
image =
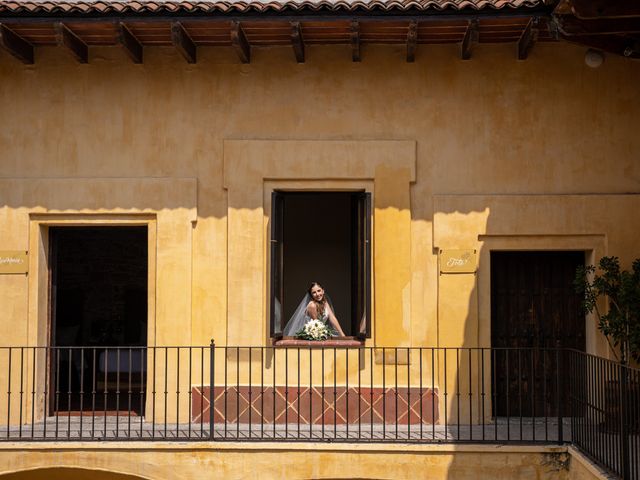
x=323 y=237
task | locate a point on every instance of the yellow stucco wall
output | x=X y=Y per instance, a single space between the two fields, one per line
x=486 y=154
x=310 y=461
x=581 y=468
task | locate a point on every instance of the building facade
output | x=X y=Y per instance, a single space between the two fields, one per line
x=441 y=202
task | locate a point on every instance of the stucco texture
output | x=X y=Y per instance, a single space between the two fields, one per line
x=491 y=153
x=238 y=461
x=548 y=132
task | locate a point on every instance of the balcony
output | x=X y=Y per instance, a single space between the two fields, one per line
x=518 y=396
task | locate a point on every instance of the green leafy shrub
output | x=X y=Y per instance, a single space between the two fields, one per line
x=621 y=288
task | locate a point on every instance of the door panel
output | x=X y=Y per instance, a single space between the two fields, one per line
x=533 y=306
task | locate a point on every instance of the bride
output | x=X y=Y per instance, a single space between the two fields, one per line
x=315 y=305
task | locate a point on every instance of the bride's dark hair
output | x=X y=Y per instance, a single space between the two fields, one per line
x=319 y=305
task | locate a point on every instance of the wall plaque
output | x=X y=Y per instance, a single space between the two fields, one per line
x=458 y=261
x=15 y=261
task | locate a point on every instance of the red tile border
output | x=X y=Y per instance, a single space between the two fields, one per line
x=313 y=405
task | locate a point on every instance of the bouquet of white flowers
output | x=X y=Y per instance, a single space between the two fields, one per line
x=315 y=330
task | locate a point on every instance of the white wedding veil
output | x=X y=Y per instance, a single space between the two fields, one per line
x=300 y=316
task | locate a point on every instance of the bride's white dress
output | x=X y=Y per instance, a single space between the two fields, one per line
x=300 y=317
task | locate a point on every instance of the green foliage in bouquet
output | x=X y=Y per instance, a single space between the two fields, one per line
x=315 y=330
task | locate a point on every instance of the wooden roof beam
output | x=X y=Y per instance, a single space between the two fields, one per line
x=471 y=37
x=605 y=8
x=528 y=39
x=355 y=41
x=16 y=45
x=570 y=25
x=130 y=44
x=412 y=41
x=182 y=42
x=240 y=42
x=70 y=41
x=297 y=41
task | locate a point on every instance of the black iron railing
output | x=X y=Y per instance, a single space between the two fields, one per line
x=605 y=412
x=323 y=393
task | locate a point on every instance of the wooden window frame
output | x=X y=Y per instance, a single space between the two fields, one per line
x=361 y=270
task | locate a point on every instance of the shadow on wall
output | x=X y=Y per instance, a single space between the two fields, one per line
x=68 y=474
x=460 y=325
x=460 y=369
x=526 y=301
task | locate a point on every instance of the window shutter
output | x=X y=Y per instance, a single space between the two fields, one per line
x=363 y=265
x=277 y=245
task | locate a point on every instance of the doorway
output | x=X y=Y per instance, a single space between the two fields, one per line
x=322 y=237
x=98 y=312
x=534 y=309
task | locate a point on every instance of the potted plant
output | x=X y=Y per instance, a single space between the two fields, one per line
x=620 y=324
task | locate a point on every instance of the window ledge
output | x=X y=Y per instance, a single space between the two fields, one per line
x=342 y=342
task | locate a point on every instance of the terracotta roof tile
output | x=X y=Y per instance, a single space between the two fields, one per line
x=243 y=6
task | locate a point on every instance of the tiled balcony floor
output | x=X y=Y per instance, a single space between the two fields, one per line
x=126 y=428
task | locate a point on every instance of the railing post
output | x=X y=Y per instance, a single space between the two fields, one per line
x=571 y=379
x=624 y=430
x=212 y=363
x=559 y=395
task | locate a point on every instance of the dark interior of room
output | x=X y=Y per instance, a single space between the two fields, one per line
x=98 y=299
x=318 y=246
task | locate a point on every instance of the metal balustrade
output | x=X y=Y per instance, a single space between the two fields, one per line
x=605 y=406
x=320 y=393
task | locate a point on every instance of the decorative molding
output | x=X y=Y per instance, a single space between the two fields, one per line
x=389 y=164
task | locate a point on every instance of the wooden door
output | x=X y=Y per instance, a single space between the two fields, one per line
x=534 y=309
